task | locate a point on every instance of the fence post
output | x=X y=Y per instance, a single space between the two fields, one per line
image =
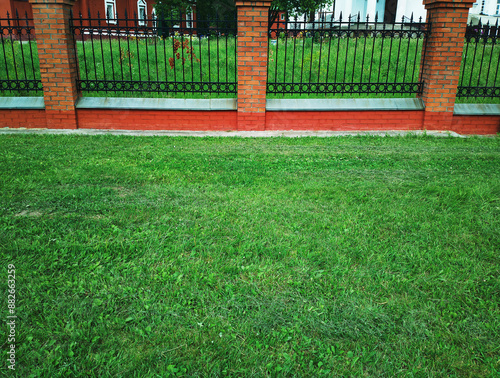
x=443 y=56
x=252 y=63
x=58 y=66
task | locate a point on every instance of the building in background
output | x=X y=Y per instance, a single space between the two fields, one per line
x=389 y=11
x=110 y=9
x=486 y=8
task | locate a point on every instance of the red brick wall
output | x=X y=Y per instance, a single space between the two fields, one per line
x=443 y=56
x=345 y=120
x=58 y=66
x=480 y=125
x=22 y=118
x=157 y=120
x=275 y=120
x=252 y=63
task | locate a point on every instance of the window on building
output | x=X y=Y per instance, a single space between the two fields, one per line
x=498 y=7
x=282 y=17
x=110 y=11
x=189 y=18
x=141 y=12
x=153 y=17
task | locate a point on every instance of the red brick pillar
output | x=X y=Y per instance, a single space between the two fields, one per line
x=58 y=66
x=441 y=64
x=252 y=63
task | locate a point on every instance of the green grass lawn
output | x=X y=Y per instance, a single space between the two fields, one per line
x=294 y=60
x=154 y=257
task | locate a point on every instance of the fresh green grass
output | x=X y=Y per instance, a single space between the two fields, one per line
x=308 y=60
x=154 y=257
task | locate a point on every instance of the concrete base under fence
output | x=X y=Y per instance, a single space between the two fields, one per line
x=220 y=115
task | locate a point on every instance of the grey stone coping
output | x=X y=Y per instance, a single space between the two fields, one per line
x=156 y=103
x=22 y=103
x=477 y=109
x=355 y=104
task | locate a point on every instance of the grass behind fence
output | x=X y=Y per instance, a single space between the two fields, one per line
x=344 y=60
x=124 y=59
x=19 y=61
x=201 y=60
x=481 y=68
x=308 y=257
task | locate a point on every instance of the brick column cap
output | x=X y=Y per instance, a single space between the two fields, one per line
x=248 y=3
x=447 y=3
x=67 y=2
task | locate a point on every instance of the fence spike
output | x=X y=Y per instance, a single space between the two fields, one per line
x=17 y=15
x=340 y=17
x=411 y=18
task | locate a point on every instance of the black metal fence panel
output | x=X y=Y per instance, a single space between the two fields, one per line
x=336 y=57
x=19 y=67
x=480 y=70
x=166 y=55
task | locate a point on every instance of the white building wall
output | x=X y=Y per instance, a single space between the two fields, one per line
x=344 y=7
x=490 y=7
x=371 y=7
x=404 y=8
x=407 y=7
x=380 y=10
x=476 y=8
x=358 y=7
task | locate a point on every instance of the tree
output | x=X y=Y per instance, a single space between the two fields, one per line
x=205 y=9
x=207 y=12
x=294 y=7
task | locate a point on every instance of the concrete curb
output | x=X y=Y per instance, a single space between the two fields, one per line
x=241 y=134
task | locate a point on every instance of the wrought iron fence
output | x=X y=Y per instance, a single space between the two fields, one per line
x=479 y=75
x=19 y=67
x=329 y=57
x=164 y=55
